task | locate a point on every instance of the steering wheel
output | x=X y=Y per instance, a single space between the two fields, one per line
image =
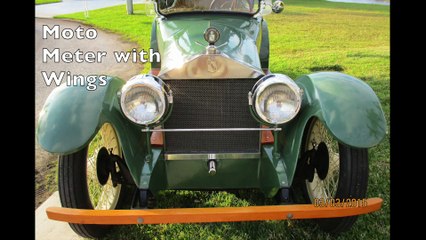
x=231 y=5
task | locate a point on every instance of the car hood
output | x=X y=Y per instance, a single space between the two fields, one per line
x=182 y=47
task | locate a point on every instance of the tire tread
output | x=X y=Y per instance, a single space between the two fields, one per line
x=71 y=180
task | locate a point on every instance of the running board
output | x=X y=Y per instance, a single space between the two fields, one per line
x=205 y=215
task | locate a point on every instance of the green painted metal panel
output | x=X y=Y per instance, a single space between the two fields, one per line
x=349 y=108
x=273 y=174
x=231 y=173
x=264 y=173
x=72 y=116
x=264 y=47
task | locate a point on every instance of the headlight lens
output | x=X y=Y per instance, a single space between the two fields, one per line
x=276 y=99
x=145 y=99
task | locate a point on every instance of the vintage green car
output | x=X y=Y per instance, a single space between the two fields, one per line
x=211 y=116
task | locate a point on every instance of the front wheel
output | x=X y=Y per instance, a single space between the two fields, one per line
x=332 y=172
x=85 y=182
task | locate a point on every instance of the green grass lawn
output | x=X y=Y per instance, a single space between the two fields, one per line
x=308 y=36
x=46 y=1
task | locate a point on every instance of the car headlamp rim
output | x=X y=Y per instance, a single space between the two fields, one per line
x=155 y=85
x=157 y=98
x=269 y=81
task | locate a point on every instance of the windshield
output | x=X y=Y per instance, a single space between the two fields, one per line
x=178 y=6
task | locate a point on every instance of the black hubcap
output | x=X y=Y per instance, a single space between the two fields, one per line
x=103 y=166
x=319 y=160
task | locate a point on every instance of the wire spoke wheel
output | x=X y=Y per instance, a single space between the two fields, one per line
x=326 y=188
x=80 y=185
x=332 y=172
x=106 y=196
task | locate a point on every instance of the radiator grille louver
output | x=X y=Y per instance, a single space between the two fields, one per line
x=211 y=104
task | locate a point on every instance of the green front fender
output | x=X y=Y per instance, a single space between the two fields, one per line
x=347 y=106
x=71 y=117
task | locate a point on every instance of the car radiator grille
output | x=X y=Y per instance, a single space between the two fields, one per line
x=211 y=104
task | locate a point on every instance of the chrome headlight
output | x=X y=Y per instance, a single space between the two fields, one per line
x=145 y=99
x=276 y=99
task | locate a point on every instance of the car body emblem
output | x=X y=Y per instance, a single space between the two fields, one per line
x=212 y=64
x=211 y=35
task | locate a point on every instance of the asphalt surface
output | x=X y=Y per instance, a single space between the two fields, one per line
x=104 y=42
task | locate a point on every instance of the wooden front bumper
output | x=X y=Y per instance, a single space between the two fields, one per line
x=204 y=215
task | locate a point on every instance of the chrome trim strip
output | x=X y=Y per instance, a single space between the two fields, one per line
x=210 y=129
x=210 y=156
